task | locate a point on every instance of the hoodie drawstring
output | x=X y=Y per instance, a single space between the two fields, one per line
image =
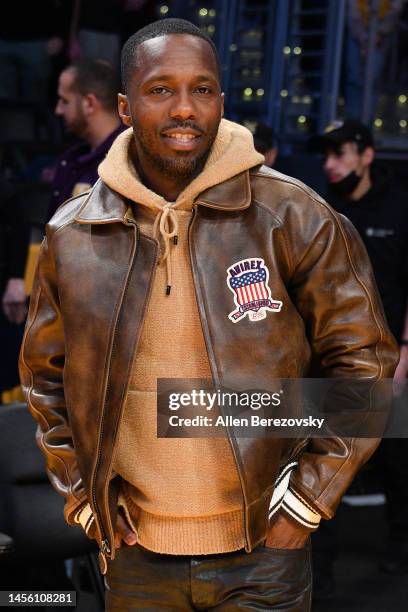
x=167 y=224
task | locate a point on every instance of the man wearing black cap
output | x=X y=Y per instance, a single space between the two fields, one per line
x=348 y=150
x=369 y=196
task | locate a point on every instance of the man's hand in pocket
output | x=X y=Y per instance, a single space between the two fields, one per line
x=286 y=534
x=124 y=532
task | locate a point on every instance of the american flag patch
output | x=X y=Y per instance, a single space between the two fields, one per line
x=248 y=280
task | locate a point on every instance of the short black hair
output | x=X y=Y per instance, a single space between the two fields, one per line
x=158 y=28
x=96 y=76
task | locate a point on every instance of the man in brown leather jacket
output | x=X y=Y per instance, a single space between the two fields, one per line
x=144 y=278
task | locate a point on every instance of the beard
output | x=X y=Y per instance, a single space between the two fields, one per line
x=180 y=166
x=77 y=125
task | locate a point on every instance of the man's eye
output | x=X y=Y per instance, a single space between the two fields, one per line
x=158 y=90
x=203 y=90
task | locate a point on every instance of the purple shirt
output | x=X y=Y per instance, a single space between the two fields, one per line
x=77 y=169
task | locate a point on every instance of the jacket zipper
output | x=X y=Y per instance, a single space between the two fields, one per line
x=212 y=364
x=105 y=546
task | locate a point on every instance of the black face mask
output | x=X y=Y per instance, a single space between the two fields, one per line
x=347 y=185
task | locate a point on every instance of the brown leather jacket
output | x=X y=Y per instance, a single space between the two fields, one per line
x=90 y=295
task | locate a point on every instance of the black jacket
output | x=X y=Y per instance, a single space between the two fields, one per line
x=381 y=218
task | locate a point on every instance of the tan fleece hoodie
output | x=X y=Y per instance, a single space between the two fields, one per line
x=182 y=496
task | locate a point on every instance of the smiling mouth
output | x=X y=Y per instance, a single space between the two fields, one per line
x=182 y=137
x=182 y=141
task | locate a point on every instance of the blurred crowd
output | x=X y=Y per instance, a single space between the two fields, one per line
x=38 y=38
x=59 y=67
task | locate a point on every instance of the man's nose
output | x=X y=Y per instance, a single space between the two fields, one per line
x=58 y=108
x=328 y=163
x=183 y=106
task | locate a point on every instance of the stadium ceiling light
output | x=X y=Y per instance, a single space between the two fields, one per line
x=284 y=93
x=301 y=119
x=403 y=123
x=164 y=9
x=378 y=122
x=286 y=50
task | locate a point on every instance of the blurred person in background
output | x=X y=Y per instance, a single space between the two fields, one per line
x=31 y=33
x=14 y=238
x=266 y=143
x=371 y=198
x=99 y=26
x=95 y=30
x=359 y=15
x=87 y=104
x=137 y=14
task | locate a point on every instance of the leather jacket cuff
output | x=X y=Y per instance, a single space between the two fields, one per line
x=297 y=508
x=84 y=517
x=287 y=500
x=281 y=486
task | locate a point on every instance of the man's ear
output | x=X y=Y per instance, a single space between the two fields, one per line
x=222 y=104
x=368 y=156
x=123 y=110
x=90 y=104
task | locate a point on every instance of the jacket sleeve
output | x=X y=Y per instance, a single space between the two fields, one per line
x=334 y=290
x=41 y=370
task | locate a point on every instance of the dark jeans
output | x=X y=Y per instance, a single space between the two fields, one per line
x=265 y=579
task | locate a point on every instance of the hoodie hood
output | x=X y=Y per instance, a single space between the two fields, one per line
x=232 y=152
